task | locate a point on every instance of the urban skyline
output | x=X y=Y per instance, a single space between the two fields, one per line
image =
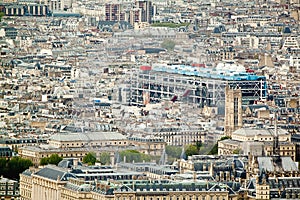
x=149 y=99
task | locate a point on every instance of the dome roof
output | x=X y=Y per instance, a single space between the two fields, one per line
x=216 y=30
x=287 y=30
x=238 y=164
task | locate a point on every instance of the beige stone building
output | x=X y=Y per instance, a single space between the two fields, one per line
x=77 y=145
x=9 y=189
x=150 y=146
x=57 y=183
x=257 y=141
x=45 y=183
x=36 y=153
x=92 y=139
x=233 y=110
x=229 y=147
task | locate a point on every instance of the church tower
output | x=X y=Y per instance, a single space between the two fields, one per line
x=233 y=110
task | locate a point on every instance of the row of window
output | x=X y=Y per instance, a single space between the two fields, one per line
x=187 y=197
x=94 y=144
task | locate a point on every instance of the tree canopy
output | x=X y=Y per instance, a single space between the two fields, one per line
x=89 y=158
x=168 y=44
x=104 y=158
x=191 y=150
x=173 y=151
x=13 y=167
x=1 y=15
x=133 y=155
x=169 y=24
x=236 y=151
x=214 y=150
x=53 y=159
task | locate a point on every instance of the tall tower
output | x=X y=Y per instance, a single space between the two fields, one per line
x=135 y=16
x=113 y=12
x=146 y=10
x=233 y=110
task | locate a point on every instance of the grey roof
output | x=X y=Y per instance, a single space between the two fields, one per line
x=230 y=141
x=6 y=180
x=67 y=163
x=265 y=163
x=288 y=164
x=82 y=188
x=259 y=131
x=90 y=136
x=62 y=137
x=27 y=172
x=54 y=173
x=276 y=164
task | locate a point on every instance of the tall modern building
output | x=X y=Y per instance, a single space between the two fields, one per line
x=146 y=10
x=54 y=5
x=113 y=12
x=233 y=110
x=135 y=16
x=141 y=12
x=30 y=9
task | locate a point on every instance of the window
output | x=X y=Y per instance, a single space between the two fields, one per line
x=235 y=111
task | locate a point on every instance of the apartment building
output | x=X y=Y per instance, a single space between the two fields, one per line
x=258 y=141
x=9 y=189
x=152 y=146
x=61 y=183
x=114 y=12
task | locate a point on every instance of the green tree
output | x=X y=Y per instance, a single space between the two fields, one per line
x=198 y=145
x=89 y=158
x=236 y=151
x=1 y=15
x=17 y=165
x=191 y=150
x=225 y=138
x=168 y=44
x=53 y=159
x=133 y=155
x=3 y=163
x=214 y=150
x=104 y=158
x=44 y=161
x=173 y=151
x=169 y=24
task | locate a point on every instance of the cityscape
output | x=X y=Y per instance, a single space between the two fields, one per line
x=149 y=99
